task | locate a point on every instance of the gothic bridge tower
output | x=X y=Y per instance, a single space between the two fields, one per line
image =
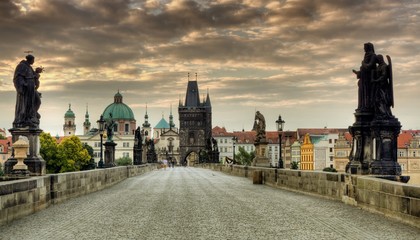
x=195 y=124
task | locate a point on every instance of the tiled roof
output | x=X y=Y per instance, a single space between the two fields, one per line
x=162 y=124
x=404 y=139
x=319 y=131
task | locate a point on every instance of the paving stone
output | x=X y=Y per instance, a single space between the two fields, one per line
x=191 y=203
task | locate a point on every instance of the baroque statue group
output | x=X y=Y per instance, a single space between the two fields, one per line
x=375 y=131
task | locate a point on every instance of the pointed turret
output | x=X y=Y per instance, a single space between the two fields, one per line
x=171 y=120
x=208 y=102
x=86 y=124
x=146 y=123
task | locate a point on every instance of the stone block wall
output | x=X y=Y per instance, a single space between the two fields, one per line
x=19 y=198
x=396 y=200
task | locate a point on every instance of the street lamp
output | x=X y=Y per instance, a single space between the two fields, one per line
x=280 y=125
x=101 y=126
x=234 y=139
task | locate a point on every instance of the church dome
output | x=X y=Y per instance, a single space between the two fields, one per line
x=118 y=109
x=69 y=113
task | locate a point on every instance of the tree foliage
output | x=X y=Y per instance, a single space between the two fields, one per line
x=124 y=161
x=48 y=151
x=243 y=157
x=68 y=156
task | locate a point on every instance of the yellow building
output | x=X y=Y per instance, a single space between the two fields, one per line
x=307 y=154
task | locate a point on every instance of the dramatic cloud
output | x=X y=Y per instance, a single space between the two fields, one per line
x=289 y=57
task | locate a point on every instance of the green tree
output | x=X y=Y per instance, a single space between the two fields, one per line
x=91 y=164
x=124 y=161
x=243 y=157
x=49 y=152
x=73 y=155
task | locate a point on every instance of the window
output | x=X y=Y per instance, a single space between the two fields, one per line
x=126 y=127
x=331 y=150
x=116 y=127
x=401 y=154
x=225 y=140
x=126 y=154
x=330 y=141
x=126 y=144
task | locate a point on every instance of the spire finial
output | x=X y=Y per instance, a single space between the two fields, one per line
x=195 y=76
x=188 y=77
x=69 y=106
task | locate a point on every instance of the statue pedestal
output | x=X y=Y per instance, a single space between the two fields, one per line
x=385 y=144
x=36 y=165
x=361 y=154
x=137 y=156
x=260 y=159
x=109 y=154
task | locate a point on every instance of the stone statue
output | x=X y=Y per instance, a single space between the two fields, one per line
x=137 y=138
x=28 y=99
x=110 y=129
x=382 y=91
x=259 y=127
x=215 y=147
x=367 y=70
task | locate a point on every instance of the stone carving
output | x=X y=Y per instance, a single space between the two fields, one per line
x=364 y=75
x=382 y=90
x=110 y=129
x=137 y=138
x=28 y=99
x=375 y=131
x=259 y=127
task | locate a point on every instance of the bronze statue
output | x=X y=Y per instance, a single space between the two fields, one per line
x=382 y=91
x=367 y=70
x=28 y=99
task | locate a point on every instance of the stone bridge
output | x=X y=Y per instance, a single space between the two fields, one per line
x=143 y=202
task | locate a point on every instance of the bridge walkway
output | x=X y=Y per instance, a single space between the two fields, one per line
x=192 y=203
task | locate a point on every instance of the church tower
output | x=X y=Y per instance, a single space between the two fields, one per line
x=86 y=124
x=69 y=126
x=146 y=126
x=195 y=122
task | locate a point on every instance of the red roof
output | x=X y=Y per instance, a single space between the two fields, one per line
x=404 y=139
x=6 y=143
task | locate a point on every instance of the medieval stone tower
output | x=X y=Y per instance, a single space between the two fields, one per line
x=195 y=122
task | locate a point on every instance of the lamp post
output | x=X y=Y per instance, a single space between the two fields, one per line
x=280 y=124
x=234 y=139
x=101 y=126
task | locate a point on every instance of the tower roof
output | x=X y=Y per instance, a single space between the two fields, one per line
x=192 y=99
x=69 y=113
x=162 y=124
x=118 y=109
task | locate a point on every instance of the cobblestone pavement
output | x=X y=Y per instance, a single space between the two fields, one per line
x=191 y=203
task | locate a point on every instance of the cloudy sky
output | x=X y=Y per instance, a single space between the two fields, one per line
x=292 y=58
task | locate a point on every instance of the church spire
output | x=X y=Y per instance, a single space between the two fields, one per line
x=146 y=123
x=171 y=120
x=86 y=124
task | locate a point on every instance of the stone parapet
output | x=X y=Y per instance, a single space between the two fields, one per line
x=19 y=198
x=397 y=200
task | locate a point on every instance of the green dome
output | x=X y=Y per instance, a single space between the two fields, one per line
x=69 y=113
x=118 y=109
